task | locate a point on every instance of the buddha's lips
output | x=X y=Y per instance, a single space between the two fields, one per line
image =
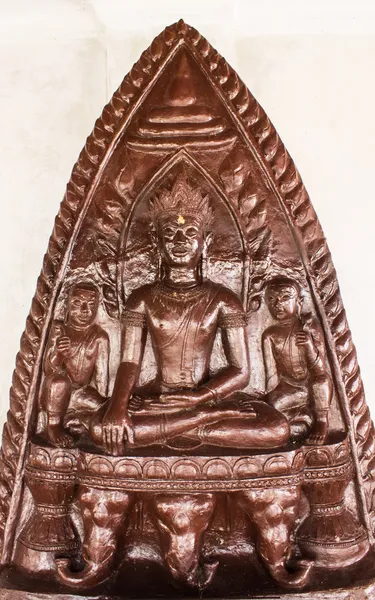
x=180 y=250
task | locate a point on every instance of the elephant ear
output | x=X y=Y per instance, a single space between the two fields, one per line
x=182 y=102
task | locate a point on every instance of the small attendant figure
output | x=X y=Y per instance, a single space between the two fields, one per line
x=76 y=367
x=297 y=382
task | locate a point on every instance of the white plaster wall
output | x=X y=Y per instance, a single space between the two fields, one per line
x=310 y=64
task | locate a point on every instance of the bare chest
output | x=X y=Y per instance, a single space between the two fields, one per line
x=179 y=321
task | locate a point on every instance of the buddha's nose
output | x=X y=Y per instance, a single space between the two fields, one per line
x=179 y=236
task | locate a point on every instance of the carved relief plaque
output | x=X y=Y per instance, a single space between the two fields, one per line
x=187 y=416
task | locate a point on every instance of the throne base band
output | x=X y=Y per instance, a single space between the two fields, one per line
x=362 y=592
x=292 y=482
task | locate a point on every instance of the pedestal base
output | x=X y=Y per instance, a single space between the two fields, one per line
x=172 y=525
x=365 y=592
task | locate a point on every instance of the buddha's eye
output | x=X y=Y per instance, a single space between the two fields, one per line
x=168 y=232
x=191 y=232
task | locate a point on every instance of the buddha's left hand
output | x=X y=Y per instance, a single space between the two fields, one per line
x=176 y=401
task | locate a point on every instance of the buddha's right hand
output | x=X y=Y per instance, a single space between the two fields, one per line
x=117 y=430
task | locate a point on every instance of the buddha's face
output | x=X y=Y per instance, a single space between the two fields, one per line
x=181 y=240
x=82 y=307
x=282 y=302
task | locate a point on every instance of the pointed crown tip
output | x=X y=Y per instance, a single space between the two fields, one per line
x=182 y=198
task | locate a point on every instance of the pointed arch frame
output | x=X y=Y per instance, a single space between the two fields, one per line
x=171 y=161
x=287 y=184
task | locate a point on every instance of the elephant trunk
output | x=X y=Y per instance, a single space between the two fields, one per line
x=295 y=579
x=91 y=575
x=189 y=571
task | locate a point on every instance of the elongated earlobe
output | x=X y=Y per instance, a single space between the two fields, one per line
x=204 y=263
x=204 y=259
x=155 y=244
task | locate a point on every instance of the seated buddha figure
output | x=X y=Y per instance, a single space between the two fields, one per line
x=297 y=382
x=76 y=367
x=182 y=313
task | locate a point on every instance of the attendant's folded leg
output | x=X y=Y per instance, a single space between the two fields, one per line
x=293 y=402
x=86 y=405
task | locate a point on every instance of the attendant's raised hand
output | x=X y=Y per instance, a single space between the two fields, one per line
x=303 y=338
x=63 y=345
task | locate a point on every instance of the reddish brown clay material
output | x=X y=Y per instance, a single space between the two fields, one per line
x=186 y=416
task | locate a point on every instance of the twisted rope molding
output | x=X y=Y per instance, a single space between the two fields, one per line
x=273 y=157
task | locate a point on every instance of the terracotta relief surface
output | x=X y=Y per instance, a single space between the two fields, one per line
x=186 y=415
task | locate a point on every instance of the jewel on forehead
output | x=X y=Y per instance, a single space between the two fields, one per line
x=180 y=220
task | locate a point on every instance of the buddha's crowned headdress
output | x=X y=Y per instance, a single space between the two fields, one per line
x=183 y=199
